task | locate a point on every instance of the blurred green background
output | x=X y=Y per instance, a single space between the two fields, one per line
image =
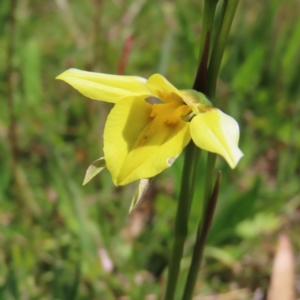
x=59 y=240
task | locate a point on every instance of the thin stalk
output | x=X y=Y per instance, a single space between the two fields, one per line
x=229 y=9
x=200 y=242
x=12 y=133
x=207 y=22
x=96 y=33
x=210 y=199
x=190 y=164
x=181 y=221
x=195 y=173
x=211 y=160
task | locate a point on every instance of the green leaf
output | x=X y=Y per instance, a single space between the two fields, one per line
x=139 y=193
x=95 y=168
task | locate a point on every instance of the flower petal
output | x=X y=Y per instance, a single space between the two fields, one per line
x=104 y=87
x=139 y=146
x=217 y=132
x=162 y=88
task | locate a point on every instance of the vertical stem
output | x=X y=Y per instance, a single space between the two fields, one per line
x=207 y=22
x=209 y=201
x=208 y=17
x=202 y=229
x=211 y=160
x=188 y=175
x=181 y=221
x=200 y=242
x=96 y=34
x=195 y=173
x=229 y=8
x=12 y=135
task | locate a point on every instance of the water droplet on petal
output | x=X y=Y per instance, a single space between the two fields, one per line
x=171 y=160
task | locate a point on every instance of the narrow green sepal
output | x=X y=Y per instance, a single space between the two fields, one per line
x=140 y=192
x=95 y=168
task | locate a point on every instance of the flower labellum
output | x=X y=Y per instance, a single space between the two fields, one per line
x=152 y=122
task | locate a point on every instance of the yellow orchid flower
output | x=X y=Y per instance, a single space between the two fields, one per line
x=152 y=122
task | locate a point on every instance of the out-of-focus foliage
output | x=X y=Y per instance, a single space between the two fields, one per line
x=59 y=240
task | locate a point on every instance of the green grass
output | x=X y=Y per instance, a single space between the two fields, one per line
x=53 y=229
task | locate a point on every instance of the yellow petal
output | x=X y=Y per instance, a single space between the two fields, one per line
x=139 y=146
x=104 y=87
x=162 y=88
x=217 y=132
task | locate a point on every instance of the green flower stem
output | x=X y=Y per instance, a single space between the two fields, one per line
x=200 y=242
x=228 y=11
x=211 y=160
x=207 y=22
x=202 y=229
x=210 y=199
x=195 y=173
x=192 y=155
x=181 y=221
